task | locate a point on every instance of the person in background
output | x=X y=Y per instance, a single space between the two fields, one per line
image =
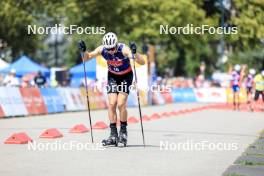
x=199 y=80
x=40 y=80
x=25 y=82
x=1 y=79
x=259 y=89
x=11 y=80
x=249 y=84
x=235 y=84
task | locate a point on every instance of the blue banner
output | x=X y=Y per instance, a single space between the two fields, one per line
x=183 y=95
x=132 y=99
x=56 y=99
x=47 y=99
x=52 y=99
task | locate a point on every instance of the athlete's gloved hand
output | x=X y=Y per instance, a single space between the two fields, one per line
x=133 y=47
x=82 y=46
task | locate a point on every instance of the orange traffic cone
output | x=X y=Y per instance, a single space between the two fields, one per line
x=18 y=138
x=51 y=133
x=80 y=128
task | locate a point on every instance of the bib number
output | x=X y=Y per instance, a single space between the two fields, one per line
x=115 y=69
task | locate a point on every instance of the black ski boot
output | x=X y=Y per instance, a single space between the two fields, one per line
x=113 y=138
x=123 y=134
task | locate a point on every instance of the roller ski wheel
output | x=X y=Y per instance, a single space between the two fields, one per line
x=111 y=141
x=123 y=138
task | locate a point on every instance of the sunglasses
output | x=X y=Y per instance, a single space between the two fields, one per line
x=111 y=49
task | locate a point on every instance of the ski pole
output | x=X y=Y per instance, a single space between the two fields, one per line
x=139 y=107
x=87 y=95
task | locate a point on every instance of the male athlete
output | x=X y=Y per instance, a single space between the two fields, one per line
x=249 y=84
x=259 y=89
x=120 y=77
x=235 y=83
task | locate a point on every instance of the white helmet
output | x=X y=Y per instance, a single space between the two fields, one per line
x=252 y=71
x=110 y=40
x=237 y=67
x=262 y=72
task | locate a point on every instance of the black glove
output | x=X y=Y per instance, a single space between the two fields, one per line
x=82 y=46
x=133 y=47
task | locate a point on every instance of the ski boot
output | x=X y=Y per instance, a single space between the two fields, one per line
x=113 y=138
x=123 y=137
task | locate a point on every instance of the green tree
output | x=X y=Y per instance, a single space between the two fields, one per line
x=247 y=46
x=15 y=16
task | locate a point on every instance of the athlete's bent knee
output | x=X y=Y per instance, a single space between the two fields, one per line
x=121 y=106
x=112 y=106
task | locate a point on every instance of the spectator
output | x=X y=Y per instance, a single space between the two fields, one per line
x=10 y=79
x=25 y=82
x=40 y=80
x=1 y=79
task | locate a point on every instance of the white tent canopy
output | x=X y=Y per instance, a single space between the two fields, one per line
x=3 y=64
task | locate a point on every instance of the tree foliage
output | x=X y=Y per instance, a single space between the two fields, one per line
x=139 y=20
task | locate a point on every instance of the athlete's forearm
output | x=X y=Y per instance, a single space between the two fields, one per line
x=86 y=56
x=89 y=55
x=139 y=59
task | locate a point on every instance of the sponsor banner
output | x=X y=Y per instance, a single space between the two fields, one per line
x=142 y=74
x=132 y=99
x=18 y=105
x=210 y=95
x=100 y=102
x=167 y=97
x=183 y=95
x=2 y=113
x=143 y=96
x=71 y=99
x=242 y=95
x=12 y=102
x=28 y=100
x=47 y=99
x=38 y=100
x=56 y=100
x=52 y=100
x=65 y=98
x=6 y=102
x=33 y=100
x=77 y=98
x=105 y=97
x=96 y=99
x=101 y=70
x=157 y=98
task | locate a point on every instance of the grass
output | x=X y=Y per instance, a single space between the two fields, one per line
x=256 y=145
x=250 y=163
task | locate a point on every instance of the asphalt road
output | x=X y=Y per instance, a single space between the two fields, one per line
x=185 y=145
